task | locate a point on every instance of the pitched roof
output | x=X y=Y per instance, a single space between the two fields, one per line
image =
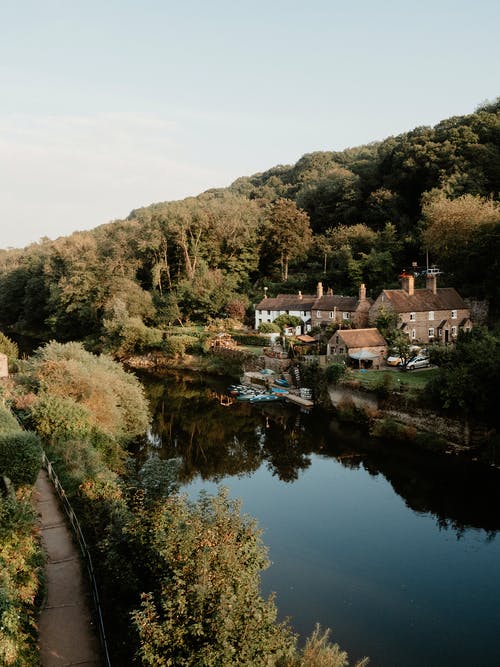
x=446 y=298
x=287 y=302
x=336 y=302
x=361 y=337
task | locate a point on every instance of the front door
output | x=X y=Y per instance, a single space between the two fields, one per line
x=446 y=335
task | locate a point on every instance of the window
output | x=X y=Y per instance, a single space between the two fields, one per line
x=453 y=331
x=341 y=350
x=454 y=314
x=318 y=314
x=346 y=316
x=413 y=334
x=431 y=314
x=412 y=317
x=431 y=332
x=332 y=314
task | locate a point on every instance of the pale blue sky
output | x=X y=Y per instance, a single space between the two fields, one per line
x=111 y=105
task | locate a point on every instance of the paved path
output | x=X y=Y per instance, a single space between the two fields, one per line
x=67 y=635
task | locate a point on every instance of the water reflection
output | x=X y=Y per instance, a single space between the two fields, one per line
x=216 y=441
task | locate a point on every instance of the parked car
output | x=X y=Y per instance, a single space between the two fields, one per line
x=393 y=360
x=416 y=362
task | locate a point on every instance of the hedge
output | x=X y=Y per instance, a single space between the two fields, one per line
x=20 y=457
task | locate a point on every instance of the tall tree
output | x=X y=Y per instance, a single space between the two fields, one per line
x=287 y=232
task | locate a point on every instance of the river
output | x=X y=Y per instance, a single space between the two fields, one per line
x=396 y=550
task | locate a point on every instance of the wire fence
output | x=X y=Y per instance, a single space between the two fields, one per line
x=75 y=524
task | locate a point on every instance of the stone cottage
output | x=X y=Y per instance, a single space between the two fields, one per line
x=433 y=314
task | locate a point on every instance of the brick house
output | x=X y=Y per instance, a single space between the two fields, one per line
x=361 y=344
x=316 y=309
x=433 y=314
x=332 y=308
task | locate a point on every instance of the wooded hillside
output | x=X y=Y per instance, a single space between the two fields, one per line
x=360 y=215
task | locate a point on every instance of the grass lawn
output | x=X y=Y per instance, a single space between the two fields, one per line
x=411 y=379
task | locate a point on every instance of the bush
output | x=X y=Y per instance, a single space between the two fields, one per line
x=248 y=339
x=56 y=417
x=20 y=563
x=8 y=422
x=334 y=372
x=8 y=347
x=268 y=327
x=20 y=457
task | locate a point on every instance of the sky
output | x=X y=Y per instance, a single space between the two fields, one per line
x=111 y=105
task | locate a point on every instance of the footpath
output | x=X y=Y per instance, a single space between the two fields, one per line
x=66 y=632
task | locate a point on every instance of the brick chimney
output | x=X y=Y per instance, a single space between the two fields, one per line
x=300 y=295
x=319 y=290
x=431 y=282
x=408 y=283
x=329 y=291
x=362 y=292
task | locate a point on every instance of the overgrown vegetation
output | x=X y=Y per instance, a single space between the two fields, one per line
x=20 y=554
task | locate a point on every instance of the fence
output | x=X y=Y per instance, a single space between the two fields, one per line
x=85 y=554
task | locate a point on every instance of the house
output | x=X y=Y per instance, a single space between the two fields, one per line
x=433 y=314
x=316 y=309
x=299 y=305
x=367 y=346
x=332 y=308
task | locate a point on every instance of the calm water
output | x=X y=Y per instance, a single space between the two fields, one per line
x=396 y=551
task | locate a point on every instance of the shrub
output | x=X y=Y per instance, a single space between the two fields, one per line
x=8 y=422
x=268 y=327
x=56 y=417
x=20 y=457
x=334 y=372
x=20 y=563
x=8 y=347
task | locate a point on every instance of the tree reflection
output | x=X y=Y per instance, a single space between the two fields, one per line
x=215 y=441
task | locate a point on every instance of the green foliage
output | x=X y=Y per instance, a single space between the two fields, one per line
x=20 y=565
x=268 y=327
x=20 y=457
x=8 y=423
x=206 y=610
x=467 y=380
x=283 y=321
x=8 y=347
x=81 y=392
x=335 y=372
x=248 y=339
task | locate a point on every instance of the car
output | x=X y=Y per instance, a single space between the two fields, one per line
x=393 y=360
x=416 y=362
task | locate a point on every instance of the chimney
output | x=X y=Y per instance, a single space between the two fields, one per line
x=265 y=292
x=431 y=282
x=408 y=283
x=362 y=292
x=300 y=295
x=329 y=291
x=319 y=290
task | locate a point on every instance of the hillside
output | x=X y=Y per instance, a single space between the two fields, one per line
x=360 y=215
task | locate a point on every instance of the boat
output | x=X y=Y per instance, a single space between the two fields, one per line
x=282 y=382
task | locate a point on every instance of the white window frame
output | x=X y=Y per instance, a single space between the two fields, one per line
x=332 y=314
x=431 y=314
x=453 y=330
x=318 y=314
x=413 y=317
x=431 y=332
x=413 y=334
x=346 y=316
x=454 y=314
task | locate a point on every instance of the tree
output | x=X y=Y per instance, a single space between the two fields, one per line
x=287 y=232
x=206 y=609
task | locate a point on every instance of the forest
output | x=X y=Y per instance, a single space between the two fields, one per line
x=365 y=214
